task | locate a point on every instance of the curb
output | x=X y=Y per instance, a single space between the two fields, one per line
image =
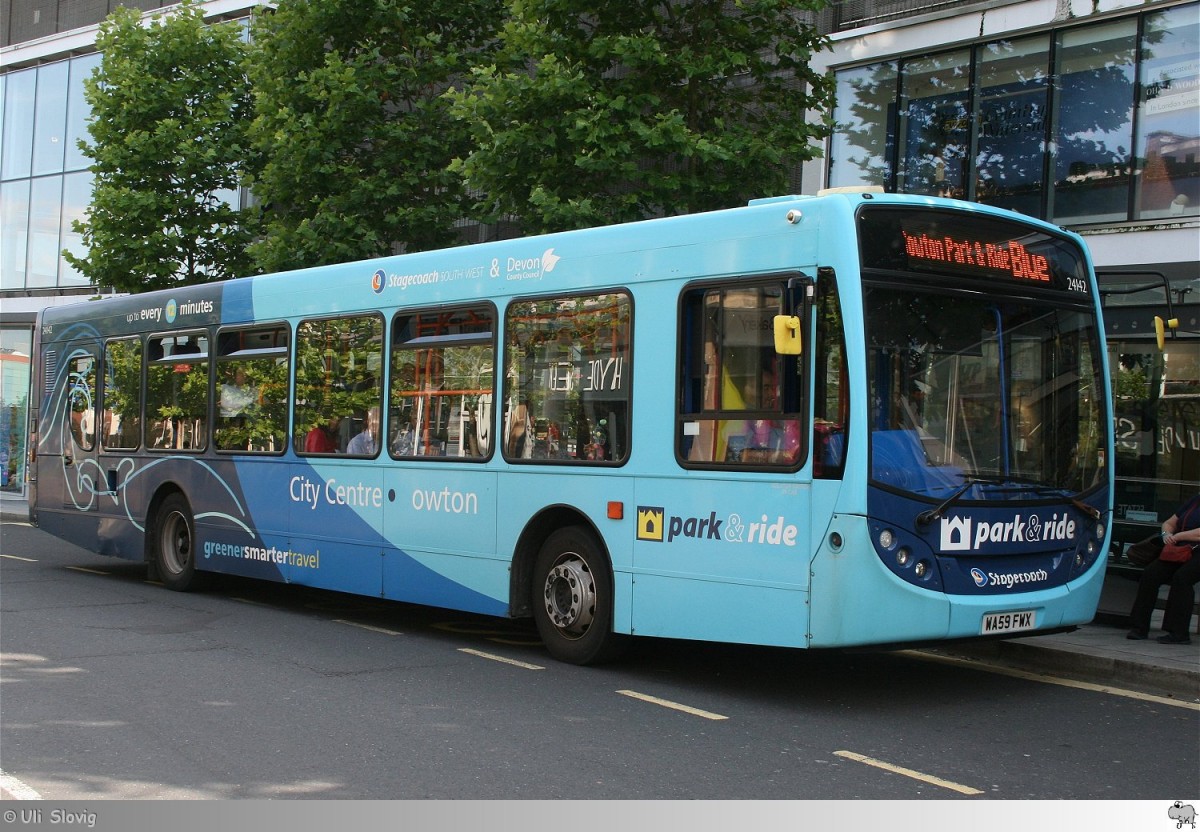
x=1175 y=683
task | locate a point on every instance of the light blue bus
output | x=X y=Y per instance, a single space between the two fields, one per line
x=848 y=419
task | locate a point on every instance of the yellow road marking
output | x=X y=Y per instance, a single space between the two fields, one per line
x=666 y=703
x=1051 y=680
x=370 y=627
x=908 y=772
x=503 y=659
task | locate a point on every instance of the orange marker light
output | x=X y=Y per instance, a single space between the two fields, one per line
x=616 y=510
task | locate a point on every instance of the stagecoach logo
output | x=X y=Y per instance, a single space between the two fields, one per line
x=962 y=534
x=378 y=281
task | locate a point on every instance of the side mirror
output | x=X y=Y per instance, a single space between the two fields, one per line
x=787 y=335
x=1160 y=327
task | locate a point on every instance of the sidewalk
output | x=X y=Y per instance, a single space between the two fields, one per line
x=1097 y=652
x=1100 y=654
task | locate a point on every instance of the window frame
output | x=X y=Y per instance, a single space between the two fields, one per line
x=626 y=433
x=298 y=444
x=139 y=438
x=441 y=343
x=148 y=363
x=274 y=352
x=795 y=394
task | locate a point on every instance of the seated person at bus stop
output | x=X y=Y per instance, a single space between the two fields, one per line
x=1178 y=566
x=364 y=443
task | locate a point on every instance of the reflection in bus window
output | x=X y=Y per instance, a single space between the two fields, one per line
x=567 y=379
x=82 y=384
x=177 y=393
x=339 y=378
x=252 y=387
x=1156 y=412
x=740 y=397
x=831 y=406
x=443 y=379
x=122 y=427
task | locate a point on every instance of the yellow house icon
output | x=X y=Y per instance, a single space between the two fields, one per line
x=650 y=523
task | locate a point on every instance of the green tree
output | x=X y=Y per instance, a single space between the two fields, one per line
x=170 y=105
x=354 y=135
x=613 y=110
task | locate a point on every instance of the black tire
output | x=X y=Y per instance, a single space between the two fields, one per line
x=573 y=599
x=174 y=542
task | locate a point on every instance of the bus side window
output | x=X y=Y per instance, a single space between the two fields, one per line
x=740 y=402
x=177 y=393
x=339 y=379
x=442 y=383
x=252 y=390
x=831 y=405
x=567 y=379
x=81 y=383
x=121 y=426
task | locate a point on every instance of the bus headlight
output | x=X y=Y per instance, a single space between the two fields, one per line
x=920 y=569
x=902 y=556
x=1100 y=531
x=887 y=539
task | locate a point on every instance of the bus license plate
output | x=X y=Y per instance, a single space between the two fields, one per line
x=1007 y=622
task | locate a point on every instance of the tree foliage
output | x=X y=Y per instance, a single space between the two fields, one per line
x=170 y=104
x=613 y=110
x=352 y=128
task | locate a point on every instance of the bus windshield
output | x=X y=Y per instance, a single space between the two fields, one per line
x=983 y=395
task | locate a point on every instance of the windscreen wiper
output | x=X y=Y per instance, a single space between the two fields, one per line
x=928 y=516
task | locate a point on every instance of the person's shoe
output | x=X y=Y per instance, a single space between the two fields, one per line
x=1137 y=635
x=1171 y=638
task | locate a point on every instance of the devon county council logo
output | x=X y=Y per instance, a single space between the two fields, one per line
x=172 y=310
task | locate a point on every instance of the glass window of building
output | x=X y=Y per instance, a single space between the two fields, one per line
x=50 y=118
x=1013 y=79
x=1110 y=133
x=14 y=233
x=862 y=146
x=78 y=111
x=1093 y=122
x=45 y=223
x=76 y=196
x=1168 y=143
x=16 y=344
x=935 y=125
x=16 y=142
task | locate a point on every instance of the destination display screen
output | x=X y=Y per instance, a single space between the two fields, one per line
x=985 y=248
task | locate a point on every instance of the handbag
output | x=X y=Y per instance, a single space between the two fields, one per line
x=1144 y=551
x=1179 y=552
x=1176 y=553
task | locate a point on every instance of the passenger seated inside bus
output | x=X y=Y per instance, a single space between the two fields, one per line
x=322 y=438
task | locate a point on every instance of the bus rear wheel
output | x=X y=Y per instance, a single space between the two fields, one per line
x=573 y=598
x=174 y=542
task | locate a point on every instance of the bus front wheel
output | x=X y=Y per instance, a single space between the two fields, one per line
x=175 y=545
x=573 y=598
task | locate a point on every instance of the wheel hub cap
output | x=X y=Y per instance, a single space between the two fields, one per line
x=570 y=596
